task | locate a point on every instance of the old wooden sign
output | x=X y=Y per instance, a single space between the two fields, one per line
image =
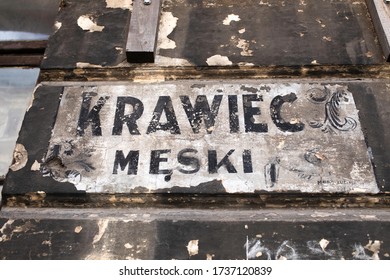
x=235 y=137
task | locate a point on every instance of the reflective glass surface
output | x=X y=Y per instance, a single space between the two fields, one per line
x=27 y=19
x=16 y=88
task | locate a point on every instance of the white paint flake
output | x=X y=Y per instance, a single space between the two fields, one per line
x=169 y=61
x=218 y=60
x=78 y=229
x=168 y=23
x=36 y=166
x=241 y=31
x=87 y=23
x=323 y=244
x=119 y=4
x=374 y=247
x=244 y=45
x=231 y=18
x=102 y=224
x=128 y=246
x=87 y=65
x=20 y=158
x=57 y=26
x=193 y=247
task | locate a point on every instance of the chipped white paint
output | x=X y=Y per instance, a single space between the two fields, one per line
x=193 y=247
x=102 y=224
x=36 y=166
x=4 y=235
x=169 y=61
x=87 y=23
x=311 y=160
x=87 y=65
x=210 y=257
x=128 y=246
x=168 y=23
x=78 y=229
x=244 y=45
x=20 y=157
x=241 y=31
x=231 y=18
x=374 y=247
x=119 y=4
x=262 y=3
x=249 y=64
x=57 y=26
x=323 y=244
x=218 y=60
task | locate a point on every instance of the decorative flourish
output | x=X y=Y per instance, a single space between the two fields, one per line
x=333 y=117
x=65 y=162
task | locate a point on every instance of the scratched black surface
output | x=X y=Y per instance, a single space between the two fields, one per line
x=100 y=239
x=35 y=135
x=278 y=32
x=283 y=33
x=71 y=44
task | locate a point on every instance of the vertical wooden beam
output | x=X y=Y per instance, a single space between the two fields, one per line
x=142 y=37
x=380 y=15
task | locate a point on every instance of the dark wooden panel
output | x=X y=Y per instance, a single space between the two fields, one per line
x=317 y=235
x=142 y=39
x=20 y=60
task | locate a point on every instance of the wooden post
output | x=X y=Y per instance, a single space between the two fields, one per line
x=142 y=37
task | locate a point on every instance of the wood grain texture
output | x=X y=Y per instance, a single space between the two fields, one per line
x=142 y=36
x=380 y=17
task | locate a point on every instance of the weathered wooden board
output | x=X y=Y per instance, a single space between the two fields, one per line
x=163 y=234
x=380 y=14
x=236 y=137
x=142 y=38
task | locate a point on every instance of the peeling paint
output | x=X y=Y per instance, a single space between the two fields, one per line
x=168 y=23
x=36 y=166
x=102 y=224
x=210 y=257
x=87 y=65
x=87 y=23
x=128 y=246
x=323 y=244
x=20 y=158
x=241 y=31
x=57 y=26
x=218 y=60
x=78 y=229
x=5 y=236
x=119 y=4
x=244 y=45
x=231 y=18
x=170 y=61
x=374 y=247
x=193 y=247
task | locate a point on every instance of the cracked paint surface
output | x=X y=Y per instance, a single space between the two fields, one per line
x=233 y=137
x=87 y=23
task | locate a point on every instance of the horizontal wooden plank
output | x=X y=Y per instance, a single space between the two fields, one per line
x=20 y=60
x=142 y=37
